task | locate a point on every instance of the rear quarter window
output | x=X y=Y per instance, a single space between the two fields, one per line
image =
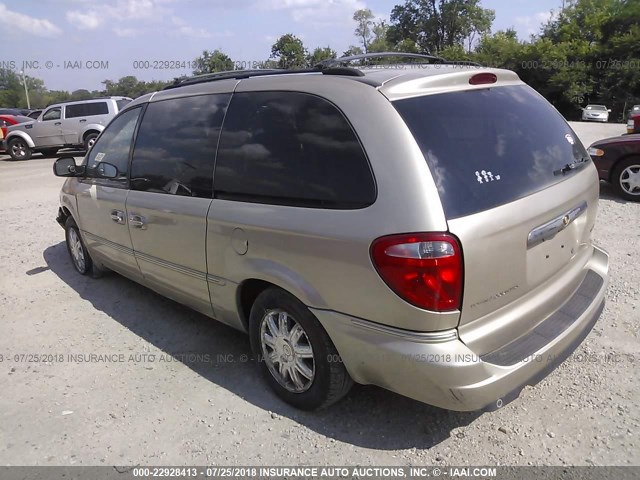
x=489 y=147
x=294 y=149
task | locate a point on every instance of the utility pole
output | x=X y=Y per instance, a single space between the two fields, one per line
x=26 y=89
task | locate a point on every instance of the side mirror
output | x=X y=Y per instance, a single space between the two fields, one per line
x=66 y=167
x=609 y=110
x=106 y=170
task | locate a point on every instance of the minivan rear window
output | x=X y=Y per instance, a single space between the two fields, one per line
x=489 y=147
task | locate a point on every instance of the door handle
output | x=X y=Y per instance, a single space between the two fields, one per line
x=83 y=120
x=117 y=216
x=58 y=123
x=137 y=221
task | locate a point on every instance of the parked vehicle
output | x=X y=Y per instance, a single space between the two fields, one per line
x=596 y=113
x=34 y=114
x=355 y=225
x=8 y=120
x=635 y=110
x=63 y=125
x=14 y=111
x=618 y=162
x=633 y=124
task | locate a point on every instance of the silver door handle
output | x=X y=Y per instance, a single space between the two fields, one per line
x=117 y=216
x=137 y=221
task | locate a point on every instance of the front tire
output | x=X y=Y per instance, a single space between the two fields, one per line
x=75 y=246
x=19 y=149
x=296 y=355
x=626 y=179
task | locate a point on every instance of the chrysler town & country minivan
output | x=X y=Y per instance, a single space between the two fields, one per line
x=355 y=224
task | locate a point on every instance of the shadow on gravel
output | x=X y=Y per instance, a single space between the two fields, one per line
x=368 y=417
x=607 y=192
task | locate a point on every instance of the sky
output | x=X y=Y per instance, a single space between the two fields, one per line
x=74 y=44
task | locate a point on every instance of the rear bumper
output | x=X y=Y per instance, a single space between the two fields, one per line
x=439 y=369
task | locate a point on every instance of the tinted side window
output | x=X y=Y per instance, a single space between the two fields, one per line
x=96 y=108
x=52 y=114
x=114 y=145
x=86 y=109
x=293 y=149
x=73 y=111
x=176 y=145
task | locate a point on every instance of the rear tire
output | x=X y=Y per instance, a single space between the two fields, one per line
x=626 y=179
x=75 y=246
x=89 y=140
x=18 y=149
x=297 y=357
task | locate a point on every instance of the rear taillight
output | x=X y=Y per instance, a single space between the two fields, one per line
x=425 y=269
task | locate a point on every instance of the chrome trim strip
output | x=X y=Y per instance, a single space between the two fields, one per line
x=171 y=266
x=107 y=243
x=550 y=229
x=417 y=337
x=157 y=261
x=217 y=280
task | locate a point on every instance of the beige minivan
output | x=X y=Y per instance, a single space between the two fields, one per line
x=427 y=230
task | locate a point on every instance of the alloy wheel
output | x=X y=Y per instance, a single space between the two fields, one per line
x=287 y=351
x=630 y=180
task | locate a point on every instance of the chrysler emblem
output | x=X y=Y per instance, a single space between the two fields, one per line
x=566 y=220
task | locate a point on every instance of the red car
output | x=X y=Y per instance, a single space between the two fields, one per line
x=618 y=162
x=633 y=124
x=7 y=121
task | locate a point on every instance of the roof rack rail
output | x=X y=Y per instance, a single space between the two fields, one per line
x=240 y=74
x=85 y=100
x=332 y=66
x=432 y=58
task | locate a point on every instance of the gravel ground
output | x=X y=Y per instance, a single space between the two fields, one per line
x=150 y=410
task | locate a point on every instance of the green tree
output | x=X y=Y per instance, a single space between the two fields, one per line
x=364 y=26
x=12 y=94
x=502 y=49
x=209 y=62
x=436 y=24
x=289 y=51
x=479 y=24
x=320 y=54
x=130 y=86
x=380 y=42
x=352 y=50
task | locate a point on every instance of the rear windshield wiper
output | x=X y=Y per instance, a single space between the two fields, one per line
x=569 y=167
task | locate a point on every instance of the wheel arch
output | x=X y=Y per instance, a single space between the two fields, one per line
x=249 y=289
x=97 y=129
x=20 y=134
